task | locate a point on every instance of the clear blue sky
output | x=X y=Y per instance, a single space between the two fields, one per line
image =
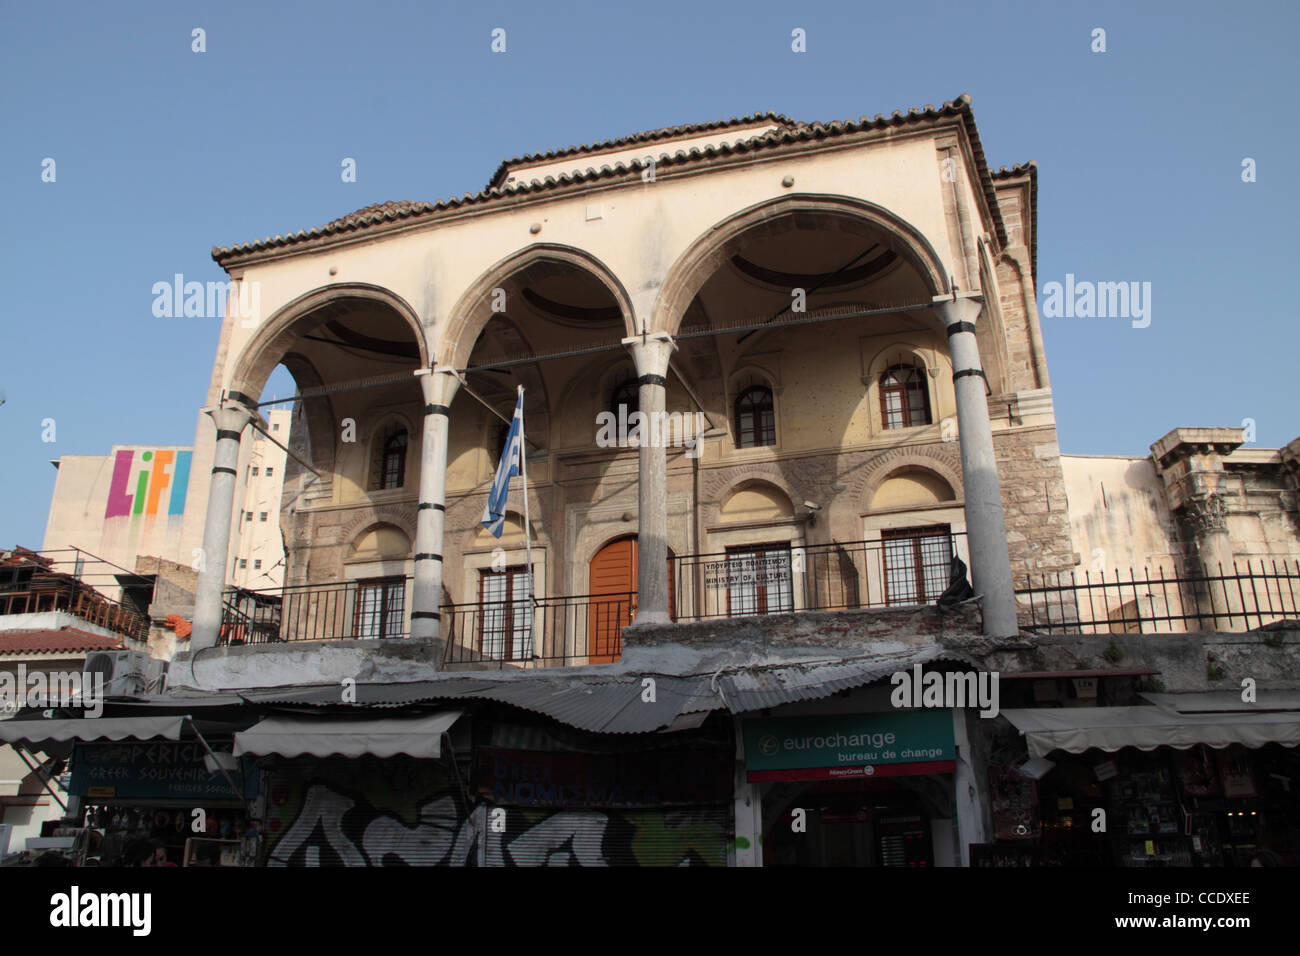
x=162 y=153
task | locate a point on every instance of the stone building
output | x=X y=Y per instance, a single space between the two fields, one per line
x=831 y=330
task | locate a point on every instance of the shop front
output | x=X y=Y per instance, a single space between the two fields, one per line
x=163 y=790
x=870 y=789
x=1148 y=787
x=645 y=805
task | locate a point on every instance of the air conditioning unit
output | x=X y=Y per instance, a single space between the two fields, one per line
x=127 y=673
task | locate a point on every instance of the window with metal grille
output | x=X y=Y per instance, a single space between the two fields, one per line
x=394 y=466
x=628 y=393
x=904 y=397
x=257 y=564
x=759 y=580
x=755 y=418
x=505 y=619
x=917 y=563
x=381 y=608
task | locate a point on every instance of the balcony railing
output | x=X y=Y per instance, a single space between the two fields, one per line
x=59 y=592
x=901 y=570
x=1163 y=601
x=553 y=632
x=895 y=571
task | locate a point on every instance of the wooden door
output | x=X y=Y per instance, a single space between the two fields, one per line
x=612 y=573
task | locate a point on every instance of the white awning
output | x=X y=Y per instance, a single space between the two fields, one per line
x=1076 y=729
x=38 y=733
x=348 y=737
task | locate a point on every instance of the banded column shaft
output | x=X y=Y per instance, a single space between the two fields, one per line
x=231 y=420
x=985 y=522
x=439 y=387
x=651 y=355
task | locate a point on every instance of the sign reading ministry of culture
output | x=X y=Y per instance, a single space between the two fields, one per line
x=851 y=746
x=759 y=570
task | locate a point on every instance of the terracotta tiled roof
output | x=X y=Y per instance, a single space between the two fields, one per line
x=68 y=639
x=792 y=134
x=1029 y=169
x=650 y=136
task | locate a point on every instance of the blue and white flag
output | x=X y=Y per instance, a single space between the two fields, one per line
x=494 y=512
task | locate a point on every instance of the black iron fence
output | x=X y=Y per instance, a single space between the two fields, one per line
x=549 y=632
x=317 y=612
x=1161 y=601
x=905 y=567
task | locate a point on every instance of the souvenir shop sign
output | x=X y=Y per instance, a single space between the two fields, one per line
x=155 y=770
x=559 y=779
x=844 y=747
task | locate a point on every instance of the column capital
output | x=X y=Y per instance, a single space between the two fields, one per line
x=651 y=353
x=231 y=417
x=965 y=307
x=439 y=384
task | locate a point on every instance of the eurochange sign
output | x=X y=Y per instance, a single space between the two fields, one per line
x=846 y=747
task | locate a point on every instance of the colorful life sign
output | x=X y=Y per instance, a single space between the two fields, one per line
x=850 y=746
x=139 y=482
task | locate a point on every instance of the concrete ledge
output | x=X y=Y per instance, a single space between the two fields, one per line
x=288 y=663
x=1198 y=661
x=850 y=631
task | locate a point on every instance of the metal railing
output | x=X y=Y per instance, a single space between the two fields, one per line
x=551 y=632
x=317 y=612
x=896 y=571
x=1163 y=601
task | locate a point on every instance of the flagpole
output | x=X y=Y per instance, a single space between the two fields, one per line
x=528 y=524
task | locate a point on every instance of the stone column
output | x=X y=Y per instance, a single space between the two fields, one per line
x=1190 y=461
x=985 y=525
x=230 y=419
x=651 y=354
x=439 y=386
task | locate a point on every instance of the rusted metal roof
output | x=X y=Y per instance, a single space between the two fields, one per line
x=618 y=705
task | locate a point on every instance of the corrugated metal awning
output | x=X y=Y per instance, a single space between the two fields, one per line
x=39 y=733
x=1076 y=729
x=419 y=737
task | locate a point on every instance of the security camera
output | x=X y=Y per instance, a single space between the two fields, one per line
x=811 y=506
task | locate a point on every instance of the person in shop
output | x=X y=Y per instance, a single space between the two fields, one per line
x=147 y=852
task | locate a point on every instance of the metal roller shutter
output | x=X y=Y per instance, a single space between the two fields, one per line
x=686 y=836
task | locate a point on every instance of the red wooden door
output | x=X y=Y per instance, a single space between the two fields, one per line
x=612 y=573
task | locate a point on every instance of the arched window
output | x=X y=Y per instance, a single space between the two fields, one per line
x=393 y=471
x=627 y=392
x=755 y=418
x=904 y=398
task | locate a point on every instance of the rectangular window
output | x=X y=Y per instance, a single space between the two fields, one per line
x=254 y=471
x=257 y=564
x=505 y=620
x=381 y=606
x=243 y=563
x=759 y=580
x=262 y=516
x=275 y=426
x=248 y=516
x=917 y=563
x=270 y=472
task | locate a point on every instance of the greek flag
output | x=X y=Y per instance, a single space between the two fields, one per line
x=494 y=512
